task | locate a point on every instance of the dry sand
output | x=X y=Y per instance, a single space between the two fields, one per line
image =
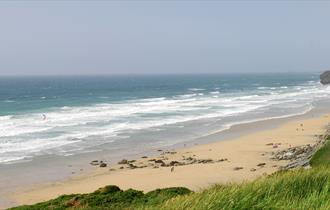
x=246 y=152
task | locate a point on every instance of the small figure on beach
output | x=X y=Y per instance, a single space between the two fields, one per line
x=172 y=169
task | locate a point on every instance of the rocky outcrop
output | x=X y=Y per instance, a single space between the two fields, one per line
x=325 y=77
x=298 y=156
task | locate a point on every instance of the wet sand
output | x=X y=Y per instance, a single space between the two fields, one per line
x=232 y=160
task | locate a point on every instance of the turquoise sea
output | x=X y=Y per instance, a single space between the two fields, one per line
x=70 y=115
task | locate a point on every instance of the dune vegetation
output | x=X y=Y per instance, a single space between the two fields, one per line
x=294 y=189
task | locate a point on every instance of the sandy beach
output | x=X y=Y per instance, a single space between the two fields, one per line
x=197 y=167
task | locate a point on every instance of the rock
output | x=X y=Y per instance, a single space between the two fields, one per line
x=144 y=157
x=253 y=169
x=132 y=166
x=102 y=165
x=222 y=159
x=174 y=163
x=238 y=168
x=159 y=161
x=94 y=163
x=189 y=159
x=123 y=161
x=325 y=78
x=298 y=156
x=169 y=152
x=287 y=156
x=205 y=161
x=261 y=164
x=121 y=167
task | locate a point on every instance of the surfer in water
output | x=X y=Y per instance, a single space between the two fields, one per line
x=44 y=117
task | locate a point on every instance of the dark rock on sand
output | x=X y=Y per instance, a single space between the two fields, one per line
x=132 y=166
x=174 y=163
x=298 y=156
x=261 y=164
x=222 y=159
x=102 y=165
x=293 y=153
x=123 y=161
x=94 y=163
x=325 y=78
x=238 y=168
x=159 y=161
x=205 y=161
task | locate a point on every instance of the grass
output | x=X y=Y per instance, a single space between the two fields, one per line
x=109 y=197
x=288 y=190
x=298 y=189
x=322 y=156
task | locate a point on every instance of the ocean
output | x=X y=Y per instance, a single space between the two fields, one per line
x=71 y=115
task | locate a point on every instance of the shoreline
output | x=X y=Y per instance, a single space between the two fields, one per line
x=211 y=163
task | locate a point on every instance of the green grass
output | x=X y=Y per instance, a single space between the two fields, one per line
x=298 y=189
x=322 y=156
x=301 y=189
x=109 y=197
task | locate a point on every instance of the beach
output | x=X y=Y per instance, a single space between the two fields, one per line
x=190 y=131
x=236 y=159
x=164 y=105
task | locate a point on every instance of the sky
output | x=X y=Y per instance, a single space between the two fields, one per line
x=163 y=37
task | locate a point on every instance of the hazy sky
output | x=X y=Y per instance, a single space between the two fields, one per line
x=108 y=37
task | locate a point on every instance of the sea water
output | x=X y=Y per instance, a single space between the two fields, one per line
x=74 y=114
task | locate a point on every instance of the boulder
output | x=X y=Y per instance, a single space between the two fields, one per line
x=325 y=78
x=102 y=165
x=123 y=161
x=159 y=161
x=94 y=163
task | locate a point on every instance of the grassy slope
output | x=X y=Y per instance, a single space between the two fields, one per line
x=109 y=197
x=322 y=156
x=298 y=189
